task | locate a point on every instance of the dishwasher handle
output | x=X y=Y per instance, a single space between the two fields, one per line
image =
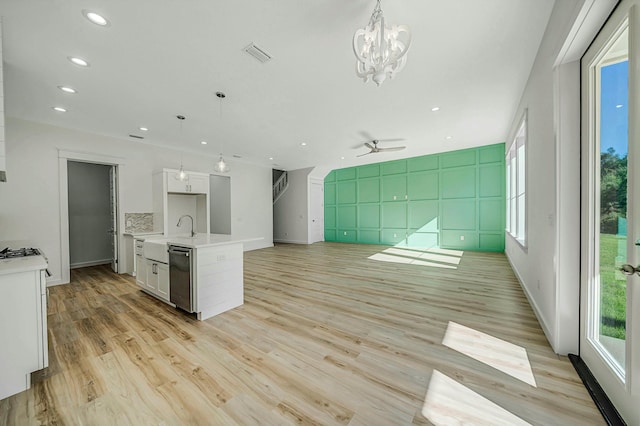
x=180 y=251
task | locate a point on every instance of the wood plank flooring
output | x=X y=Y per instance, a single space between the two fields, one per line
x=326 y=336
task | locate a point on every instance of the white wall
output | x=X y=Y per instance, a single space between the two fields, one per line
x=291 y=211
x=2 y=132
x=548 y=267
x=29 y=201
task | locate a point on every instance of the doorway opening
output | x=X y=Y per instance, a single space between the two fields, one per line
x=113 y=165
x=92 y=205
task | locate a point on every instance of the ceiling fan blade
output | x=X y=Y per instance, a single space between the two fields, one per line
x=366 y=153
x=394 y=148
x=368 y=145
x=366 y=135
x=391 y=140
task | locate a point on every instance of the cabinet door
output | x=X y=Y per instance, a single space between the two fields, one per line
x=163 y=280
x=152 y=276
x=198 y=184
x=174 y=184
x=141 y=270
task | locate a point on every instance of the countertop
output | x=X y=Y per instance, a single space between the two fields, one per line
x=202 y=240
x=141 y=234
x=20 y=264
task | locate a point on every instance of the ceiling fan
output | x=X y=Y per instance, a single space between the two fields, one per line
x=374 y=148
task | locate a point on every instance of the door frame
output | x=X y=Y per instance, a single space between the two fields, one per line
x=312 y=236
x=63 y=157
x=621 y=390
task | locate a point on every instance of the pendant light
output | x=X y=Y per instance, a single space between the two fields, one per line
x=181 y=174
x=221 y=166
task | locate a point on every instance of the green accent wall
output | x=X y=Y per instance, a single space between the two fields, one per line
x=453 y=200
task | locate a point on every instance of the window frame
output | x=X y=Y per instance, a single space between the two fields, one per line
x=516 y=183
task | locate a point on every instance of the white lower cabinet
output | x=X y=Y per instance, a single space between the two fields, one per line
x=141 y=270
x=163 y=280
x=157 y=282
x=23 y=329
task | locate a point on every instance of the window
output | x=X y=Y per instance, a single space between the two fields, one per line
x=516 y=184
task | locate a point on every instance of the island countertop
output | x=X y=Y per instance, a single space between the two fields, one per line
x=201 y=240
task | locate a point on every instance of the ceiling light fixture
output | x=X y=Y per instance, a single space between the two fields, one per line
x=449 y=138
x=434 y=109
x=271 y=158
x=380 y=50
x=78 y=61
x=303 y=144
x=144 y=129
x=96 y=18
x=59 y=109
x=221 y=166
x=203 y=142
x=181 y=174
x=67 y=89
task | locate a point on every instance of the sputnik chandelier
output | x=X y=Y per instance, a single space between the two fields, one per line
x=381 y=51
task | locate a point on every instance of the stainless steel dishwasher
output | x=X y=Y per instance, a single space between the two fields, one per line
x=180 y=277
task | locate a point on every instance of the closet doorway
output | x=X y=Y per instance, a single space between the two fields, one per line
x=92 y=214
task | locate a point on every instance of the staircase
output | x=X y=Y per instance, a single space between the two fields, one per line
x=280 y=186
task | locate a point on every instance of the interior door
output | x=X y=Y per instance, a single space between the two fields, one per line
x=610 y=209
x=317 y=211
x=113 y=210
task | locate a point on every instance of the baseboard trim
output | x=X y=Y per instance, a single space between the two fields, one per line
x=290 y=241
x=90 y=263
x=534 y=306
x=600 y=398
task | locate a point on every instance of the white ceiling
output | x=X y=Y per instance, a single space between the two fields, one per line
x=160 y=58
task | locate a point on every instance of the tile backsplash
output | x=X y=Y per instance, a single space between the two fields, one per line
x=138 y=222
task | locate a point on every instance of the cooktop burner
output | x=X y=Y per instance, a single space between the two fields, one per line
x=8 y=253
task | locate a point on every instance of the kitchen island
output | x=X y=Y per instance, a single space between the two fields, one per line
x=209 y=284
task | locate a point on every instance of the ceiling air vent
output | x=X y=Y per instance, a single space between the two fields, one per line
x=257 y=53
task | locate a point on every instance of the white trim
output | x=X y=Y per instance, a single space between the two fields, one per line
x=91 y=263
x=63 y=181
x=290 y=241
x=592 y=14
x=90 y=157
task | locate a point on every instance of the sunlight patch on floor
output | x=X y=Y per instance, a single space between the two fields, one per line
x=407 y=260
x=497 y=353
x=423 y=255
x=451 y=403
x=435 y=257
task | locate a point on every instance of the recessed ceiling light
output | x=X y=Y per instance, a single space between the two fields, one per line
x=96 y=18
x=303 y=144
x=449 y=137
x=78 y=61
x=67 y=89
x=271 y=158
x=434 y=109
x=342 y=158
x=619 y=106
x=59 y=109
x=144 y=129
x=203 y=142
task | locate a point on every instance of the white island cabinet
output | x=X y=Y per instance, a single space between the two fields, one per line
x=216 y=271
x=23 y=322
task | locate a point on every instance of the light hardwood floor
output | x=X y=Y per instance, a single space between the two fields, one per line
x=326 y=336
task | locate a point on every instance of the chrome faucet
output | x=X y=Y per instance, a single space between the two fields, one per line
x=193 y=234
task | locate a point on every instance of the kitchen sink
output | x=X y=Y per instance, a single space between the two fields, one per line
x=156 y=250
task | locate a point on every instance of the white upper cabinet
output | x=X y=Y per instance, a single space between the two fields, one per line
x=193 y=183
x=173 y=198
